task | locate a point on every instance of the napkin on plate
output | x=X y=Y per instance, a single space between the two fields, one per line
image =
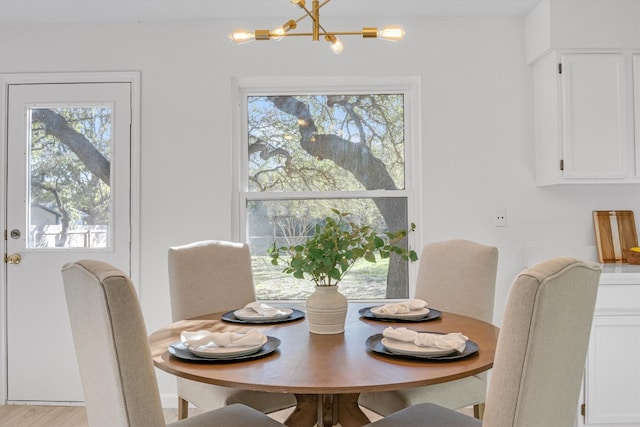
x=250 y=337
x=402 y=307
x=264 y=309
x=449 y=341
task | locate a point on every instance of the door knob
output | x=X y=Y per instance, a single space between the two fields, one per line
x=12 y=259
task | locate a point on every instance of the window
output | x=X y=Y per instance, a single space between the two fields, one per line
x=308 y=147
x=70 y=179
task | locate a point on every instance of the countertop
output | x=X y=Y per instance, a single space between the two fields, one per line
x=620 y=274
x=612 y=273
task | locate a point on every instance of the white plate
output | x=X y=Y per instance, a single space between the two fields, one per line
x=248 y=314
x=222 y=352
x=413 y=314
x=409 y=348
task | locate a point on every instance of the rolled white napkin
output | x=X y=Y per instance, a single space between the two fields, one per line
x=264 y=309
x=449 y=341
x=402 y=307
x=250 y=337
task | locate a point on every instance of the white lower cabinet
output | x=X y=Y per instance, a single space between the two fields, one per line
x=611 y=387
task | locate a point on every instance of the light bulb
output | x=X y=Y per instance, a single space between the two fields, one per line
x=278 y=33
x=242 y=36
x=392 y=33
x=337 y=46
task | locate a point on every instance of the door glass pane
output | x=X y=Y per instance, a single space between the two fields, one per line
x=69 y=177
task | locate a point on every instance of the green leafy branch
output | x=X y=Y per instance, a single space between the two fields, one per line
x=335 y=247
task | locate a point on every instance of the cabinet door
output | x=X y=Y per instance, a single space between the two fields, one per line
x=595 y=116
x=612 y=377
x=636 y=98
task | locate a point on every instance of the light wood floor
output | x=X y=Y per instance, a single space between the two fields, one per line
x=55 y=416
x=75 y=416
x=40 y=416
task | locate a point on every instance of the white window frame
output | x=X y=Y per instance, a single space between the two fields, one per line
x=243 y=87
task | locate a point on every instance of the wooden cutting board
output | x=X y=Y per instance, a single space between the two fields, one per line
x=615 y=231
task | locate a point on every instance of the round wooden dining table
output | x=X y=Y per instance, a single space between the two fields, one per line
x=327 y=373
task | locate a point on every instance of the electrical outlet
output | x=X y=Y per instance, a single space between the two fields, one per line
x=501 y=217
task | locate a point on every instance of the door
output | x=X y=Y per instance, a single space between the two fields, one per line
x=68 y=198
x=636 y=109
x=595 y=115
x=612 y=387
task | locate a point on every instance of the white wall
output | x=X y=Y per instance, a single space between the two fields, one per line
x=477 y=128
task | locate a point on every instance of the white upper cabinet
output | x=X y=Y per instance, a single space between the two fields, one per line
x=586 y=84
x=595 y=125
x=578 y=25
x=584 y=127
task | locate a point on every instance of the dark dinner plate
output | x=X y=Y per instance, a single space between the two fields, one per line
x=181 y=351
x=368 y=314
x=374 y=343
x=295 y=315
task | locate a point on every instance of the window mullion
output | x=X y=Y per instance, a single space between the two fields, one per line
x=316 y=195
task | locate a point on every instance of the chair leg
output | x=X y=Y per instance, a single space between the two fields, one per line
x=478 y=411
x=183 y=408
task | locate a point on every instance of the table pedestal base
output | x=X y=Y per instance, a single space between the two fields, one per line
x=326 y=410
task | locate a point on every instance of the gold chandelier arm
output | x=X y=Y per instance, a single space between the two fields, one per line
x=325 y=34
x=296 y=34
x=367 y=32
x=302 y=6
x=314 y=14
x=316 y=20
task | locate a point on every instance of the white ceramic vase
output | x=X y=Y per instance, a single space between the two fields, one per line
x=326 y=310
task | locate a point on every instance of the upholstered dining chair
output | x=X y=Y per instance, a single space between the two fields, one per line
x=540 y=353
x=212 y=276
x=116 y=368
x=457 y=276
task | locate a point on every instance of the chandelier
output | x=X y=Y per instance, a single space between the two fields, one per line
x=391 y=33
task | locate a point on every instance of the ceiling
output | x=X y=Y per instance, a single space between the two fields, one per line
x=58 y=11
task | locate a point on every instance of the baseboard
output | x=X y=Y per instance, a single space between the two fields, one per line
x=42 y=403
x=170 y=401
